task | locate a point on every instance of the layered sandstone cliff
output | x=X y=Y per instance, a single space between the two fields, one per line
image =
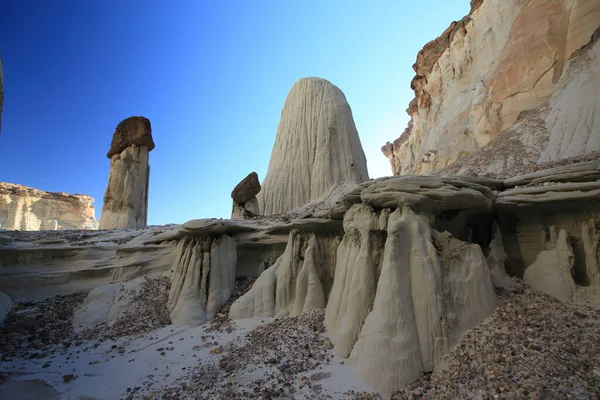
x=505 y=57
x=316 y=149
x=563 y=129
x=126 y=196
x=28 y=209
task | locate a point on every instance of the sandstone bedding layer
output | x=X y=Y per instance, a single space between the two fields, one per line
x=504 y=58
x=562 y=130
x=26 y=208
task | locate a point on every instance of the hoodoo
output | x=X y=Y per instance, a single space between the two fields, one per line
x=126 y=197
x=316 y=149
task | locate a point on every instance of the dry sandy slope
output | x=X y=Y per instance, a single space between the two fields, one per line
x=532 y=347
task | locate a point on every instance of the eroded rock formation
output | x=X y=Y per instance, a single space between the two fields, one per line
x=403 y=266
x=28 y=209
x=563 y=129
x=390 y=241
x=423 y=302
x=298 y=281
x=245 y=203
x=126 y=196
x=203 y=278
x=317 y=148
x=550 y=223
x=505 y=57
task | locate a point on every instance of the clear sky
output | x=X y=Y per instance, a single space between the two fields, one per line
x=211 y=76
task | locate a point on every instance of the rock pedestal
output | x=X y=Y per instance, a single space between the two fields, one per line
x=126 y=197
x=245 y=204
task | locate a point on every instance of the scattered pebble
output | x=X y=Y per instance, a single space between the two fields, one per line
x=532 y=347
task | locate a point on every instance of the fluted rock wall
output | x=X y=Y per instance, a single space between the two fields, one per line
x=298 y=281
x=28 y=209
x=317 y=148
x=203 y=278
x=474 y=80
x=402 y=292
x=424 y=301
x=550 y=223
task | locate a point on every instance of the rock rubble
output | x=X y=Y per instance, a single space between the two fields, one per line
x=281 y=352
x=532 y=347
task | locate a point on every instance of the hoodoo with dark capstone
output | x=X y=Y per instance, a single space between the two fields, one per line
x=126 y=197
x=245 y=204
x=130 y=131
x=246 y=189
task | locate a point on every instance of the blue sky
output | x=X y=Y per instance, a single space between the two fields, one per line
x=211 y=76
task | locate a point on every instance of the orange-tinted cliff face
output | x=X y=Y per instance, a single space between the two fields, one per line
x=474 y=80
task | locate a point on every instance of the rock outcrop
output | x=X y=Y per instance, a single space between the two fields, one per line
x=298 y=281
x=203 y=278
x=126 y=196
x=476 y=78
x=423 y=302
x=316 y=149
x=402 y=266
x=562 y=130
x=552 y=271
x=28 y=209
x=397 y=279
x=550 y=224
x=245 y=203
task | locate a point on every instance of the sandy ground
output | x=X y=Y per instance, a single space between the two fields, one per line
x=532 y=347
x=43 y=357
x=154 y=363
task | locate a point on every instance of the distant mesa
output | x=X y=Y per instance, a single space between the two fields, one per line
x=126 y=196
x=317 y=148
x=28 y=209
